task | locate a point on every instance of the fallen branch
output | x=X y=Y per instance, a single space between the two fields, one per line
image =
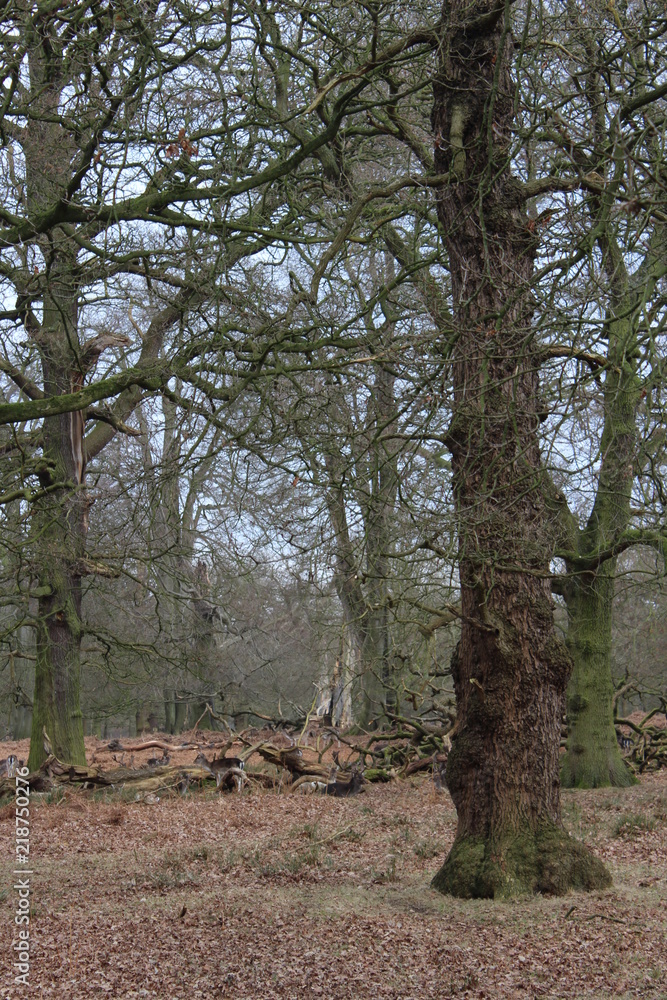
x=116 y=745
x=332 y=836
x=54 y=773
x=290 y=758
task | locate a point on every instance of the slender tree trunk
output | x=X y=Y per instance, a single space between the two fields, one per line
x=374 y=487
x=593 y=759
x=169 y=711
x=510 y=670
x=379 y=510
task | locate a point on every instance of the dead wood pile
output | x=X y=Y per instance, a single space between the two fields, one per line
x=409 y=747
x=643 y=739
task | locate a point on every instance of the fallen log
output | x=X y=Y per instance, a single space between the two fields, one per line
x=55 y=773
x=261 y=779
x=373 y=774
x=116 y=746
x=290 y=758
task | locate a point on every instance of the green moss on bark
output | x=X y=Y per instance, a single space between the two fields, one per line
x=548 y=861
x=593 y=758
x=56 y=708
x=595 y=766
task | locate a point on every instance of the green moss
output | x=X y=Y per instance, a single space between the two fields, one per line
x=595 y=767
x=518 y=863
x=459 y=874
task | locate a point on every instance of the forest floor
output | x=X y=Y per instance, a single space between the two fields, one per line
x=267 y=895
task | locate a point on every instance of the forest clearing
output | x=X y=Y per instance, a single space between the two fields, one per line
x=264 y=895
x=333 y=503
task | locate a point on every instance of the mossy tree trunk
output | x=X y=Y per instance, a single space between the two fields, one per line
x=593 y=759
x=58 y=666
x=59 y=526
x=510 y=670
x=59 y=516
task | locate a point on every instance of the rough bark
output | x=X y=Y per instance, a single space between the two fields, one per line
x=60 y=516
x=510 y=670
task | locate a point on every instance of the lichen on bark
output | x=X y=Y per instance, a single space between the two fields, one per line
x=510 y=669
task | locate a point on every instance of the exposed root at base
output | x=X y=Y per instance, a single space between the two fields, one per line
x=588 y=770
x=547 y=861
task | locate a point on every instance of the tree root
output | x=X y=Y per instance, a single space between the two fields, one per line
x=514 y=864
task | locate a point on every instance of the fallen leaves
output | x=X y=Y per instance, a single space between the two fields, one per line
x=263 y=895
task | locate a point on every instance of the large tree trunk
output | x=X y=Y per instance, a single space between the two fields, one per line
x=60 y=520
x=59 y=517
x=510 y=670
x=59 y=523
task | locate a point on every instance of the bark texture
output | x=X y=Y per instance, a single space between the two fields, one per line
x=510 y=670
x=60 y=517
x=593 y=758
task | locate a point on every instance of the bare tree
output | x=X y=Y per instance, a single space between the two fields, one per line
x=510 y=669
x=118 y=183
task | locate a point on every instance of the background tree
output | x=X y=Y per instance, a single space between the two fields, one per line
x=117 y=178
x=599 y=145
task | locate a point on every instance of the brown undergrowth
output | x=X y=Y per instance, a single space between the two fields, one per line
x=264 y=895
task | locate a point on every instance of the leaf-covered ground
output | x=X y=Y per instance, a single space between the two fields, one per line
x=263 y=895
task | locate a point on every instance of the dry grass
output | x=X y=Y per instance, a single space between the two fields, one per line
x=265 y=895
